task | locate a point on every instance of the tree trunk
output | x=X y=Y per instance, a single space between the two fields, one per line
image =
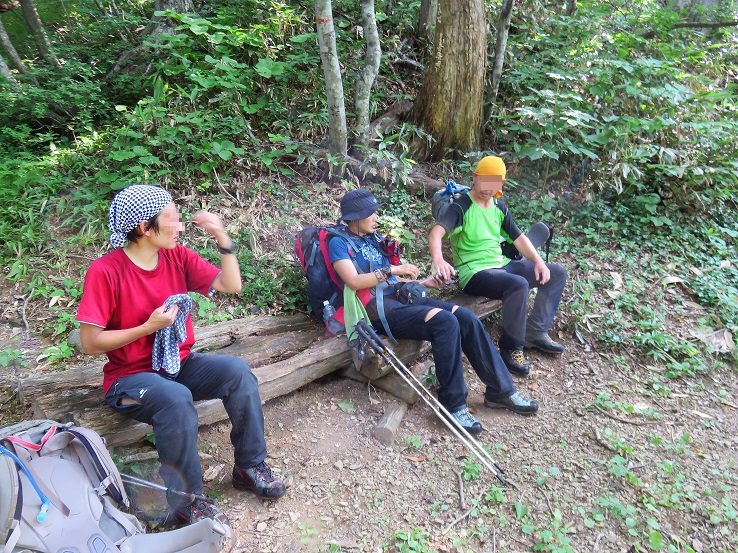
x=427 y=20
x=499 y=57
x=5 y=72
x=449 y=104
x=157 y=26
x=365 y=79
x=571 y=7
x=163 y=25
x=39 y=32
x=337 y=134
x=13 y=56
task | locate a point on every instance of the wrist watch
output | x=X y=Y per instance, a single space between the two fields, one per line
x=387 y=270
x=226 y=251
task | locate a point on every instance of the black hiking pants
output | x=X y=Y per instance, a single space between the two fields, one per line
x=450 y=334
x=166 y=403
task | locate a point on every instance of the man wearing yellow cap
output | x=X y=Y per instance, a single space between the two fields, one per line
x=476 y=224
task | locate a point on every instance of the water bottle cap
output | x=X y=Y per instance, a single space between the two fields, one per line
x=326 y=302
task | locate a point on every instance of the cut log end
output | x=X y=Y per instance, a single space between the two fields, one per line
x=386 y=429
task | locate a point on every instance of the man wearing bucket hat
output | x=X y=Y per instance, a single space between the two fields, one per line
x=475 y=235
x=451 y=329
x=135 y=310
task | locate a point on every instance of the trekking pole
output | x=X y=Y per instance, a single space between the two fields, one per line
x=127 y=478
x=376 y=343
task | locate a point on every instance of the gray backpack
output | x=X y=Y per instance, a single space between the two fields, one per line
x=60 y=492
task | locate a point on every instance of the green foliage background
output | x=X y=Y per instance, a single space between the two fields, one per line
x=617 y=132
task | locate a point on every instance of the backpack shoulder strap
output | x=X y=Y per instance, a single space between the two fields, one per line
x=91 y=453
x=464 y=202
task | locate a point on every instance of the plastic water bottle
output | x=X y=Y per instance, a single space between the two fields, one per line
x=334 y=327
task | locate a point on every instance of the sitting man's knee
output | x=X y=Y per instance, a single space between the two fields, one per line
x=558 y=272
x=432 y=313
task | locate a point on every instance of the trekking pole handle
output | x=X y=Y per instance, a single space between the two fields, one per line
x=373 y=335
x=362 y=329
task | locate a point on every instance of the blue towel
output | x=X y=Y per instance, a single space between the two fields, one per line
x=165 y=355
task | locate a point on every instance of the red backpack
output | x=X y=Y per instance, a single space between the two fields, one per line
x=324 y=284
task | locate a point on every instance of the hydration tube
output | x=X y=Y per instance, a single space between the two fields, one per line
x=45 y=501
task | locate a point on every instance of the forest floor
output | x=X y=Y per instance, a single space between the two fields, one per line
x=618 y=459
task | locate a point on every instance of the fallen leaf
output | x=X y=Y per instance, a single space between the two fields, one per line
x=346 y=406
x=725 y=263
x=415 y=458
x=612 y=293
x=719 y=340
x=212 y=473
x=696 y=271
x=617 y=280
x=671 y=280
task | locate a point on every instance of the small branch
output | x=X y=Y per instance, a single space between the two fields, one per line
x=615 y=418
x=23 y=311
x=462 y=516
x=602 y=442
x=548 y=501
x=462 y=501
x=694 y=25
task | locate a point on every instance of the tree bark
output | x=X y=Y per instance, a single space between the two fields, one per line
x=30 y=15
x=571 y=7
x=427 y=20
x=5 y=72
x=365 y=79
x=337 y=134
x=163 y=25
x=449 y=103
x=499 y=56
x=13 y=56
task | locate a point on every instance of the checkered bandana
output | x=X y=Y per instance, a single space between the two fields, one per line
x=139 y=202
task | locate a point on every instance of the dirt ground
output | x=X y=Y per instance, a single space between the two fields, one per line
x=615 y=454
x=618 y=459
x=347 y=492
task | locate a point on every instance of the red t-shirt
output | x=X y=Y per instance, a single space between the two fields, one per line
x=118 y=295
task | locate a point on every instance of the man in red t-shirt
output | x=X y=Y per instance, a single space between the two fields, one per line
x=135 y=309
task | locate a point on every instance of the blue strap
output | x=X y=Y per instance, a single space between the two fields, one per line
x=381 y=287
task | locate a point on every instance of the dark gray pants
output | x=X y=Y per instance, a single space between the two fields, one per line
x=167 y=405
x=512 y=284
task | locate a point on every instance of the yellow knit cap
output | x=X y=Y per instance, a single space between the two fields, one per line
x=491 y=165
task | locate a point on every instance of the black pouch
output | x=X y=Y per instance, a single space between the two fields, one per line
x=411 y=293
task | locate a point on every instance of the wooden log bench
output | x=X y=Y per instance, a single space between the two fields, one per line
x=285 y=353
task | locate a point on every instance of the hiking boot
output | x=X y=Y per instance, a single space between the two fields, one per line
x=467 y=421
x=515 y=361
x=516 y=402
x=199 y=510
x=260 y=480
x=543 y=342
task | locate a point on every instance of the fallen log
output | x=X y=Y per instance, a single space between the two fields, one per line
x=284 y=353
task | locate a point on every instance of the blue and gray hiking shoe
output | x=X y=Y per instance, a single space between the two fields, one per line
x=467 y=421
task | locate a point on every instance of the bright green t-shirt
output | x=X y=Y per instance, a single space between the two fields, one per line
x=475 y=238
